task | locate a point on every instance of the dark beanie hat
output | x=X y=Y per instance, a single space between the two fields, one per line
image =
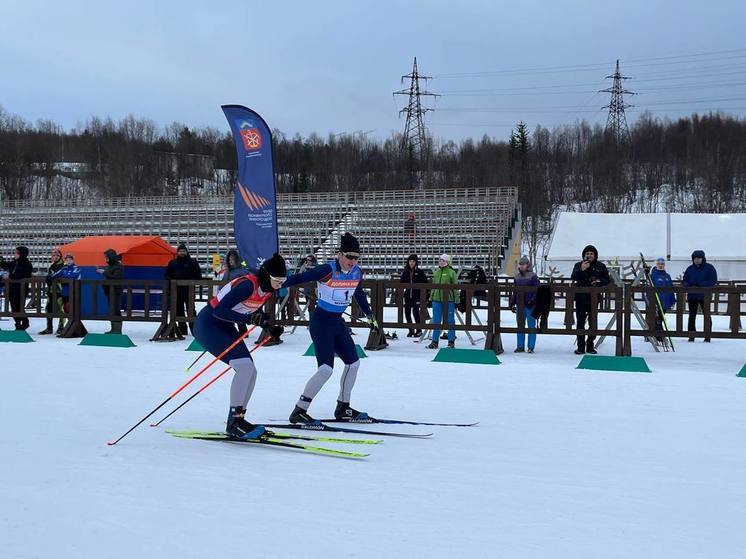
x=413 y=257
x=182 y=246
x=274 y=266
x=349 y=244
x=590 y=248
x=23 y=251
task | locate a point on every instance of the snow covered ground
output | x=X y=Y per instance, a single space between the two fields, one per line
x=564 y=463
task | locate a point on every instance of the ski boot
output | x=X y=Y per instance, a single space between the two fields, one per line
x=410 y=334
x=590 y=349
x=433 y=345
x=451 y=344
x=45 y=331
x=300 y=415
x=239 y=428
x=344 y=412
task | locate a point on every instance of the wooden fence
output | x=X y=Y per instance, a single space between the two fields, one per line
x=612 y=309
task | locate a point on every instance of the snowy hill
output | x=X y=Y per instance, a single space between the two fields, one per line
x=564 y=463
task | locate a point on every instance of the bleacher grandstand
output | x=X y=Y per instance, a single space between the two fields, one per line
x=473 y=224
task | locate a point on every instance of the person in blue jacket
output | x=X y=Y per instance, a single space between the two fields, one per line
x=239 y=301
x=338 y=282
x=699 y=274
x=661 y=278
x=69 y=271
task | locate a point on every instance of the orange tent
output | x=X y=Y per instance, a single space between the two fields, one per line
x=133 y=250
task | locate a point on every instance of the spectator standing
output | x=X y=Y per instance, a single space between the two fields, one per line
x=112 y=272
x=410 y=225
x=53 y=292
x=589 y=272
x=309 y=292
x=699 y=274
x=233 y=267
x=525 y=277
x=183 y=267
x=412 y=274
x=661 y=278
x=443 y=301
x=20 y=268
x=68 y=272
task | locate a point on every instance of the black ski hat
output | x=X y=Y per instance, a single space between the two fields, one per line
x=349 y=244
x=23 y=251
x=182 y=246
x=413 y=257
x=274 y=266
x=592 y=249
x=111 y=255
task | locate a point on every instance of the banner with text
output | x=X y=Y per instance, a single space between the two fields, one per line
x=254 y=196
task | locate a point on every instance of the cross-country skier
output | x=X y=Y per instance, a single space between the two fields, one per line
x=338 y=282
x=239 y=302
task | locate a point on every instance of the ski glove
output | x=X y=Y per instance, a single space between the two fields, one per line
x=373 y=324
x=261 y=319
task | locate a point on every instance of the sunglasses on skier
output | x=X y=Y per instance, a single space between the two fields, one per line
x=352 y=256
x=277 y=280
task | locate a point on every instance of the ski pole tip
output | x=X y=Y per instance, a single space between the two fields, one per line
x=154 y=425
x=110 y=443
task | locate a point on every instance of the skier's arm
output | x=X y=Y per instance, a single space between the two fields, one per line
x=362 y=300
x=314 y=274
x=224 y=309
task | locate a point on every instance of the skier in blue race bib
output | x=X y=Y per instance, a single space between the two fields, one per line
x=338 y=283
x=239 y=302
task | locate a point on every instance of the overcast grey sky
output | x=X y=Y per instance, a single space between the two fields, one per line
x=331 y=66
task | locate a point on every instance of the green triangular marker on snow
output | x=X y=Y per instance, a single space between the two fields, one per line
x=475 y=356
x=195 y=346
x=15 y=336
x=743 y=371
x=614 y=364
x=107 y=340
x=311 y=352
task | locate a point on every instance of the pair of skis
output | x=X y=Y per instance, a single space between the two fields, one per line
x=287 y=440
x=658 y=304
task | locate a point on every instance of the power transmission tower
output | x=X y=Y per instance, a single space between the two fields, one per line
x=616 y=123
x=415 y=134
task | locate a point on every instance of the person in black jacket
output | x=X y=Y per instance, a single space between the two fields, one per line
x=412 y=275
x=20 y=268
x=113 y=271
x=183 y=267
x=589 y=272
x=53 y=291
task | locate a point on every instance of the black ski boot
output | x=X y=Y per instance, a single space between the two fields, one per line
x=344 y=412
x=433 y=345
x=590 y=349
x=238 y=428
x=300 y=415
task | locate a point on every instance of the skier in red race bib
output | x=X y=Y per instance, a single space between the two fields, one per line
x=239 y=302
x=338 y=283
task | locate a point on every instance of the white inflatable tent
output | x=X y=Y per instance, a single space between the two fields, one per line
x=673 y=236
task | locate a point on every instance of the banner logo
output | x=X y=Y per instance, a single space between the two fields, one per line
x=252 y=199
x=251 y=137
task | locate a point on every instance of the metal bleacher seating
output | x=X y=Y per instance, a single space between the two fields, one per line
x=471 y=224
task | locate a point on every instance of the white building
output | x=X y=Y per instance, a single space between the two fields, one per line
x=622 y=237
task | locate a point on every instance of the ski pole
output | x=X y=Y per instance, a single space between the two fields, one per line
x=193 y=362
x=183 y=386
x=185 y=402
